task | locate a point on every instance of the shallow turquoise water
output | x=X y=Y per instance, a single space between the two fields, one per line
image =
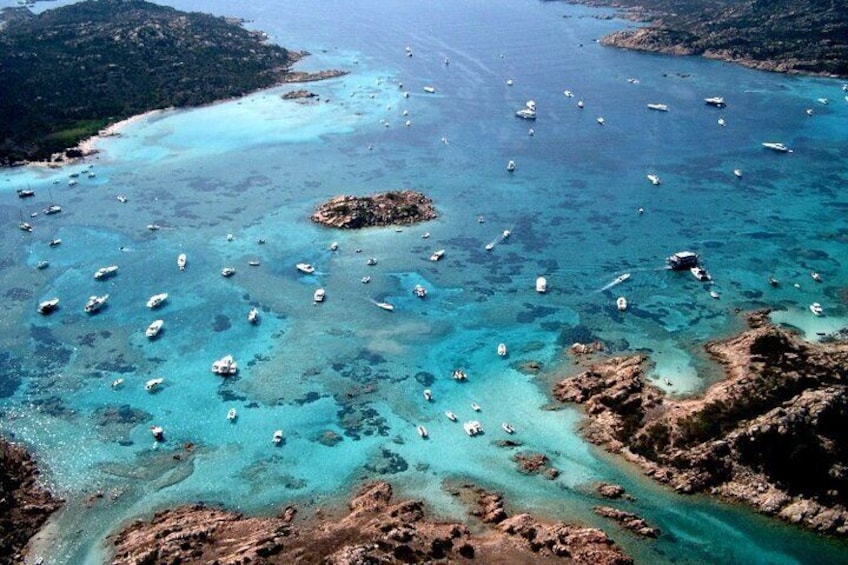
x=255 y=168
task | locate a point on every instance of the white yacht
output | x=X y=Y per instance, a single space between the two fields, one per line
x=715 y=294
x=655 y=179
x=158 y=433
x=430 y=89
x=253 y=315
x=437 y=255
x=232 y=414
x=122 y=199
x=621 y=303
x=153 y=384
x=43 y=264
x=475 y=406
x=776 y=146
x=419 y=291
x=700 y=273
x=721 y=122
x=506 y=234
x=386 y=306
x=815 y=276
x=541 y=285
x=526 y=113
x=55 y=242
x=472 y=428
x=716 y=101
x=450 y=415
x=365 y=280
x=153 y=329
x=225 y=366
x=428 y=394
x=105 y=272
x=510 y=166
x=507 y=427
x=117 y=383
x=658 y=107
x=816 y=309
x=227 y=272
x=48 y=306
x=305 y=268
x=334 y=246
x=738 y=173
x=181 y=261
x=422 y=431
x=95 y=303
x=601 y=121
x=371 y=261
x=459 y=375
x=319 y=295
x=502 y=349
x=157 y=299
x=277 y=438
x=25 y=226
x=52 y=209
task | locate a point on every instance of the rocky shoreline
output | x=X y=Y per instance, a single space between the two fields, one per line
x=771 y=434
x=25 y=505
x=376 y=529
x=384 y=209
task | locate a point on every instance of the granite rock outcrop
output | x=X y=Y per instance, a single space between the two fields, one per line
x=384 y=209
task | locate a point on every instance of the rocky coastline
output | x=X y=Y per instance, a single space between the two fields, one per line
x=25 y=505
x=770 y=435
x=376 y=529
x=395 y=208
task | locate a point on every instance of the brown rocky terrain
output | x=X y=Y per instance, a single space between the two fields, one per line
x=376 y=530
x=24 y=504
x=771 y=434
x=384 y=209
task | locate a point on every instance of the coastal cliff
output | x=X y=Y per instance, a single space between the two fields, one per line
x=25 y=505
x=384 y=209
x=771 y=434
x=792 y=37
x=376 y=529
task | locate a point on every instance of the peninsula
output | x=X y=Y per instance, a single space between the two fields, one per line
x=771 y=434
x=69 y=72
x=384 y=209
x=804 y=37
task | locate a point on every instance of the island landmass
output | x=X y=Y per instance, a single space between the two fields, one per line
x=69 y=72
x=393 y=208
x=771 y=434
x=804 y=37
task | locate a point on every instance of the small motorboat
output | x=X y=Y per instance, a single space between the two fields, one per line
x=305 y=268
x=815 y=276
x=510 y=166
x=158 y=433
x=25 y=193
x=365 y=280
x=437 y=255
x=430 y=89
x=717 y=101
x=105 y=272
x=655 y=180
x=227 y=272
x=371 y=261
x=700 y=273
x=507 y=427
x=385 y=306
x=55 y=242
x=816 y=309
x=738 y=173
x=253 y=315
x=48 y=306
x=157 y=300
x=776 y=146
x=502 y=349
x=601 y=121
x=153 y=384
x=319 y=295
x=122 y=199
x=25 y=226
x=773 y=281
x=153 y=329
x=715 y=294
x=472 y=428
x=506 y=234
x=475 y=406
x=117 y=383
x=419 y=291
x=181 y=261
x=334 y=246
x=425 y=235
x=52 y=209
x=428 y=395
x=621 y=303
x=541 y=285
x=658 y=107
x=254 y=262
x=43 y=264
x=459 y=375
x=721 y=122
x=422 y=431
x=95 y=303
x=450 y=415
x=232 y=415
x=277 y=437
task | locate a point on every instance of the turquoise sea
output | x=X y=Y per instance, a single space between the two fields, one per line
x=344 y=379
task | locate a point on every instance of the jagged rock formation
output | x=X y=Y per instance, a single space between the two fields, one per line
x=376 y=530
x=772 y=434
x=628 y=521
x=24 y=504
x=384 y=209
x=780 y=35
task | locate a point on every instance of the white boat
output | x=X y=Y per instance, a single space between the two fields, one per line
x=472 y=428
x=25 y=193
x=450 y=415
x=682 y=260
x=655 y=180
x=621 y=303
x=254 y=262
x=475 y=406
x=105 y=272
x=721 y=122
x=319 y=295
x=459 y=375
x=153 y=329
x=823 y=101
x=277 y=438
x=776 y=146
x=154 y=227
x=715 y=294
x=428 y=394
x=700 y=273
x=437 y=255
x=253 y=315
x=600 y=121
x=158 y=433
x=122 y=199
x=117 y=383
x=510 y=166
x=738 y=173
x=365 y=280
x=568 y=94
x=55 y=242
x=422 y=431
x=526 y=113
x=227 y=272
x=815 y=276
x=25 y=226
x=490 y=246
x=419 y=291
x=43 y=264
x=181 y=261
x=305 y=268
x=153 y=384
x=509 y=82
x=95 y=303
x=47 y=306
x=816 y=309
x=371 y=261
x=507 y=427
x=385 y=306
x=334 y=246
x=502 y=349
x=430 y=89
x=717 y=101
x=225 y=366
x=506 y=234
x=580 y=104
x=621 y=278
x=157 y=299
x=232 y=415
x=52 y=209
x=541 y=285
x=658 y=107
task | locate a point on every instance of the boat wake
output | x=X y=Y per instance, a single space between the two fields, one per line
x=617 y=281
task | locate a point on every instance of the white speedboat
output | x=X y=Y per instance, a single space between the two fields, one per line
x=541 y=285
x=658 y=107
x=365 y=280
x=776 y=146
x=621 y=303
x=385 y=306
x=105 y=272
x=510 y=166
x=715 y=294
x=225 y=366
x=254 y=262
x=655 y=179
x=422 y=431
x=502 y=349
x=52 y=209
x=305 y=268
x=490 y=246
x=459 y=375
x=700 y=273
x=721 y=122
x=334 y=246
x=717 y=101
x=600 y=121
x=472 y=428
x=430 y=89
x=181 y=261
x=816 y=309
x=475 y=406
x=153 y=329
x=253 y=315
x=428 y=394
x=450 y=415
x=25 y=193
x=437 y=255
x=158 y=433
x=319 y=295
x=580 y=104
x=55 y=242
x=122 y=199
x=117 y=383
x=277 y=438
x=232 y=415
x=48 y=306
x=95 y=303
x=43 y=264
x=527 y=113
x=25 y=226
x=506 y=234
x=153 y=384
x=157 y=300
x=419 y=291
x=738 y=173
x=507 y=427
x=227 y=272
x=371 y=261
x=815 y=276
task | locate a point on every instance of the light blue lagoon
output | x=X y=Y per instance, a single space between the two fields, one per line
x=344 y=379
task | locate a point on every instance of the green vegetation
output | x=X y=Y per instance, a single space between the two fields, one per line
x=67 y=72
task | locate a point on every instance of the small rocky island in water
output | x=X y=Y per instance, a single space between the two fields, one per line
x=385 y=209
x=772 y=434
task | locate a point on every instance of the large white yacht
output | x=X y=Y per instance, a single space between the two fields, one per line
x=153 y=329
x=776 y=146
x=225 y=366
x=157 y=299
x=48 y=306
x=658 y=107
x=105 y=272
x=472 y=428
x=95 y=303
